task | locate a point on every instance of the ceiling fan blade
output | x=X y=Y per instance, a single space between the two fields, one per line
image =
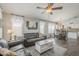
x=41 y=8
x=57 y=8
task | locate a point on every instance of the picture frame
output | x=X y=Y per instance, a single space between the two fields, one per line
x=32 y=24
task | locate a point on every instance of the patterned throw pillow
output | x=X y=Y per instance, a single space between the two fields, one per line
x=6 y=52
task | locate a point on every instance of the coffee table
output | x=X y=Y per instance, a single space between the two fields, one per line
x=44 y=45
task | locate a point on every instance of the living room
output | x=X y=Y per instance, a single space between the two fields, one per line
x=39 y=29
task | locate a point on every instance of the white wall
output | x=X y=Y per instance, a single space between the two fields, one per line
x=75 y=23
x=26 y=30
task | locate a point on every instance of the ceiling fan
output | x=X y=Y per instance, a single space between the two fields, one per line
x=50 y=8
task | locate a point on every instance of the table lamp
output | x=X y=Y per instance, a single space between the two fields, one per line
x=10 y=33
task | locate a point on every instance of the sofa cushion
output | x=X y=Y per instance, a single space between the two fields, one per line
x=31 y=35
x=17 y=47
x=36 y=39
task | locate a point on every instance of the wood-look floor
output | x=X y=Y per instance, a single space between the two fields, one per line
x=68 y=47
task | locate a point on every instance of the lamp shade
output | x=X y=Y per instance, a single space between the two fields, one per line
x=9 y=31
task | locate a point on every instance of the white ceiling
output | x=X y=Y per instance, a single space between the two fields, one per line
x=69 y=10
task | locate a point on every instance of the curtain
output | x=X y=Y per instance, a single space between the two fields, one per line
x=42 y=25
x=51 y=28
x=17 y=23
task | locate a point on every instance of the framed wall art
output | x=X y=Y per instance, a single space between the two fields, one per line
x=32 y=24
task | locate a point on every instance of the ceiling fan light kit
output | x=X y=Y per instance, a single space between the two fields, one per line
x=50 y=8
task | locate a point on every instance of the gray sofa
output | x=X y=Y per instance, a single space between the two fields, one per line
x=31 y=38
x=3 y=44
x=19 y=49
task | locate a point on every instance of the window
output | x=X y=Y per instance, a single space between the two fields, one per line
x=51 y=28
x=17 y=22
x=42 y=25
